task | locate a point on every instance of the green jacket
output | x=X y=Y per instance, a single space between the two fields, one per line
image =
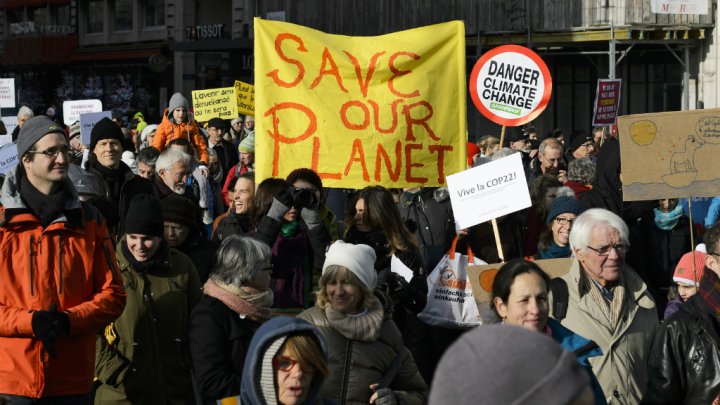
x=142 y=358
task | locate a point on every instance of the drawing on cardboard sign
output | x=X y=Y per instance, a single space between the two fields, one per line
x=670 y=155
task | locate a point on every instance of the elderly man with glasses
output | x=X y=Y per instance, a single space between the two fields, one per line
x=608 y=303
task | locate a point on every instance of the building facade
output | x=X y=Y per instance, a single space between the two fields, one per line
x=132 y=54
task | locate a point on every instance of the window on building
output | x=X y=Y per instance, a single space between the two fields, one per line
x=574 y=89
x=154 y=13
x=655 y=86
x=95 y=16
x=123 y=15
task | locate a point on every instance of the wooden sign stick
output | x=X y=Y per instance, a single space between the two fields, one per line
x=692 y=240
x=497 y=239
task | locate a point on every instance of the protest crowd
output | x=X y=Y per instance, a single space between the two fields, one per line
x=151 y=266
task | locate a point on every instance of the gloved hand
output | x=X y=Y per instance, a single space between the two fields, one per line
x=281 y=203
x=384 y=396
x=47 y=325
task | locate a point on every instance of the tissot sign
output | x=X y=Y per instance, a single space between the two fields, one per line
x=510 y=85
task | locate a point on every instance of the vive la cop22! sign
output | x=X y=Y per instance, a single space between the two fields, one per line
x=510 y=85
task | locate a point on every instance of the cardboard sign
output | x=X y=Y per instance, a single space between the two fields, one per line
x=215 y=103
x=679 y=6
x=87 y=123
x=670 y=155
x=489 y=191
x=245 y=98
x=481 y=277
x=510 y=85
x=388 y=110
x=607 y=101
x=8 y=157
x=7 y=93
x=73 y=109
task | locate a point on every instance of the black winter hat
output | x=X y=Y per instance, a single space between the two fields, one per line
x=179 y=209
x=144 y=216
x=514 y=134
x=105 y=129
x=218 y=123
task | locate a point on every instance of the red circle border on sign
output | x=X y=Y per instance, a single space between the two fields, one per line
x=547 y=80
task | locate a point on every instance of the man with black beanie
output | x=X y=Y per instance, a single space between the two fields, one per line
x=58 y=286
x=226 y=152
x=104 y=161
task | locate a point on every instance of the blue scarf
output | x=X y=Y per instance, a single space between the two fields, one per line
x=554 y=251
x=668 y=220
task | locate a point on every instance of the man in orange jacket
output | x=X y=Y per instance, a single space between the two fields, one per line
x=60 y=281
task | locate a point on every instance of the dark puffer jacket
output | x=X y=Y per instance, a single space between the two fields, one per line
x=361 y=350
x=685 y=357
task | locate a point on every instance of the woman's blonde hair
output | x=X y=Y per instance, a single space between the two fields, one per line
x=330 y=273
x=488 y=142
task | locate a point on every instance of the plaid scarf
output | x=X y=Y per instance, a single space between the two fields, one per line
x=710 y=291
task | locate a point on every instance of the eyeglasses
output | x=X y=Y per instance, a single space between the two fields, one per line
x=53 y=151
x=620 y=248
x=588 y=145
x=564 y=221
x=285 y=363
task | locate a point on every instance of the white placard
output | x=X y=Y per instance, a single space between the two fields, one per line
x=10 y=125
x=7 y=93
x=73 y=109
x=397 y=266
x=8 y=157
x=488 y=191
x=87 y=123
x=679 y=6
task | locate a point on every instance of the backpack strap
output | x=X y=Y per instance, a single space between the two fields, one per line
x=559 y=290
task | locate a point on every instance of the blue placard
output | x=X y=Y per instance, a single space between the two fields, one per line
x=88 y=121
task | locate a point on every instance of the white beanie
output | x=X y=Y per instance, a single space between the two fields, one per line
x=359 y=259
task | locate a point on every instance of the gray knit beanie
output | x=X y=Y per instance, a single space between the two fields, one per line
x=503 y=364
x=35 y=129
x=177 y=101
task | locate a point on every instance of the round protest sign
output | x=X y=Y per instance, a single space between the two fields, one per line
x=510 y=85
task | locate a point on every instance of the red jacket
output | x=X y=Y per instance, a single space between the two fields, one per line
x=70 y=263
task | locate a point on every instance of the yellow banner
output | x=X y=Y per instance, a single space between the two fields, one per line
x=215 y=103
x=245 y=98
x=361 y=111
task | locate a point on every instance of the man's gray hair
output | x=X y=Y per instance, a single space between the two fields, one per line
x=504 y=152
x=591 y=219
x=239 y=259
x=169 y=158
x=551 y=143
x=581 y=170
x=25 y=111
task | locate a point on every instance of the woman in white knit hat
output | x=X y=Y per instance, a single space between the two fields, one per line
x=368 y=360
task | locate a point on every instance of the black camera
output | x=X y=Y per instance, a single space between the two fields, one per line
x=302 y=197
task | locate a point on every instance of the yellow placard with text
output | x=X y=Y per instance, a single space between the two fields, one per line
x=361 y=111
x=215 y=103
x=245 y=98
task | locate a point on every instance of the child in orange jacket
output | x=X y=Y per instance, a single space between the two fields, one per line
x=177 y=124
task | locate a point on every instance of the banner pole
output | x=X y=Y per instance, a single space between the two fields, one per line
x=496 y=231
x=502 y=138
x=692 y=239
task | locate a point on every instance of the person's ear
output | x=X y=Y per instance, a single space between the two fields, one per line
x=500 y=307
x=712 y=263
